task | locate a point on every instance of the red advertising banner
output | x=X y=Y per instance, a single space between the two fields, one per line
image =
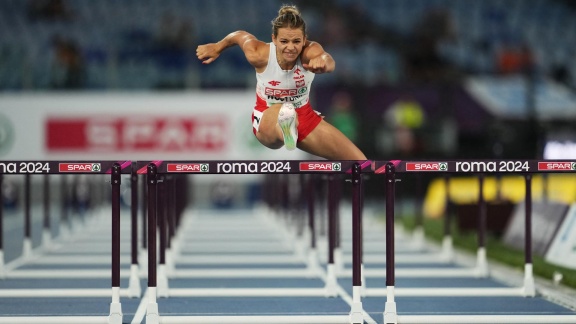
x=129 y=134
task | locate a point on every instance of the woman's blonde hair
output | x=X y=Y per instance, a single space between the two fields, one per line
x=288 y=17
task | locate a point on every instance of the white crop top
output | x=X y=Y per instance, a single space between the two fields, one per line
x=275 y=85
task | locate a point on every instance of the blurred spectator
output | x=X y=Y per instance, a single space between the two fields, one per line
x=68 y=69
x=334 y=31
x=512 y=58
x=405 y=116
x=423 y=62
x=10 y=193
x=405 y=112
x=342 y=115
x=49 y=10
x=561 y=73
x=174 y=40
x=359 y=22
x=174 y=33
x=223 y=195
x=81 y=194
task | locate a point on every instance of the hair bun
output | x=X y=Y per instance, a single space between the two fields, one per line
x=286 y=9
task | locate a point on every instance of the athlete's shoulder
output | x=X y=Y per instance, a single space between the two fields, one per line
x=256 y=52
x=258 y=57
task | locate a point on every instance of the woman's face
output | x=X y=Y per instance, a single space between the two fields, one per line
x=289 y=44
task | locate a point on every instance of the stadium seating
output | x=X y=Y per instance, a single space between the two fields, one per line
x=118 y=40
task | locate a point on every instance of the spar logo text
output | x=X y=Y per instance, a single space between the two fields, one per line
x=79 y=167
x=321 y=166
x=426 y=166
x=187 y=167
x=556 y=166
x=284 y=95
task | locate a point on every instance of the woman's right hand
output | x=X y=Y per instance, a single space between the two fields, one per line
x=208 y=53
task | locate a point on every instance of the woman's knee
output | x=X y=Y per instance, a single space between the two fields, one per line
x=267 y=132
x=269 y=141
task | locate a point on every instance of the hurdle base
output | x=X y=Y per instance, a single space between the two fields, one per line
x=338 y=261
x=27 y=249
x=163 y=289
x=313 y=265
x=363 y=278
x=46 y=238
x=356 y=310
x=419 y=238
x=152 y=316
x=486 y=319
x=447 y=253
x=2 y=265
x=134 y=289
x=331 y=281
x=529 y=288
x=481 y=263
x=390 y=315
x=257 y=319
x=115 y=316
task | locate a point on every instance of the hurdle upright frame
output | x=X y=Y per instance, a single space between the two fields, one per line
x=477 y=167
x=154 y=168
x=114 y=169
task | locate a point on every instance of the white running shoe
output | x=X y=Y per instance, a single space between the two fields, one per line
x=287 y=120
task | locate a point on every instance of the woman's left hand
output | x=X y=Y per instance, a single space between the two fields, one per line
x=316 y=65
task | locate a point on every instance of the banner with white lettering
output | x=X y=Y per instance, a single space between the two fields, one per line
x=205 y=125
x=562 y=251
x=546 y=219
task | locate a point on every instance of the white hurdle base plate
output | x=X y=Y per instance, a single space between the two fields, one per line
x=448 y=292
x=248 y=292
x=488 y=319
x=54 y=319
x=63 y=293
x=311 y=319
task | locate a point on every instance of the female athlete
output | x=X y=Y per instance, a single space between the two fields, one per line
x=285 y=69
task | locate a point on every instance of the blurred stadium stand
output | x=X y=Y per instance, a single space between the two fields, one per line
x=118 y=40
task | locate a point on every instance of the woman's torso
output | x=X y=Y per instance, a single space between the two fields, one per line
x=275 y=85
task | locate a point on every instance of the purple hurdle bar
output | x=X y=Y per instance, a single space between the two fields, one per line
x=528 y=220
x=311 y=201
x=152 y=309
x=134 y=215
x=1 y=224
x=27 y=248
x=116 y=181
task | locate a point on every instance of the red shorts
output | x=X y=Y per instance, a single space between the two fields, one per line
x=308 y=119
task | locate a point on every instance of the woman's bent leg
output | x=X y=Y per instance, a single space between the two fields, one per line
x=269 y=133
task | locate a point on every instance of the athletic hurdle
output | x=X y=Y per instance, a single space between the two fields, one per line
x=480 y=270
x=156 y=168
x=114 y=170
x=481 y=167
